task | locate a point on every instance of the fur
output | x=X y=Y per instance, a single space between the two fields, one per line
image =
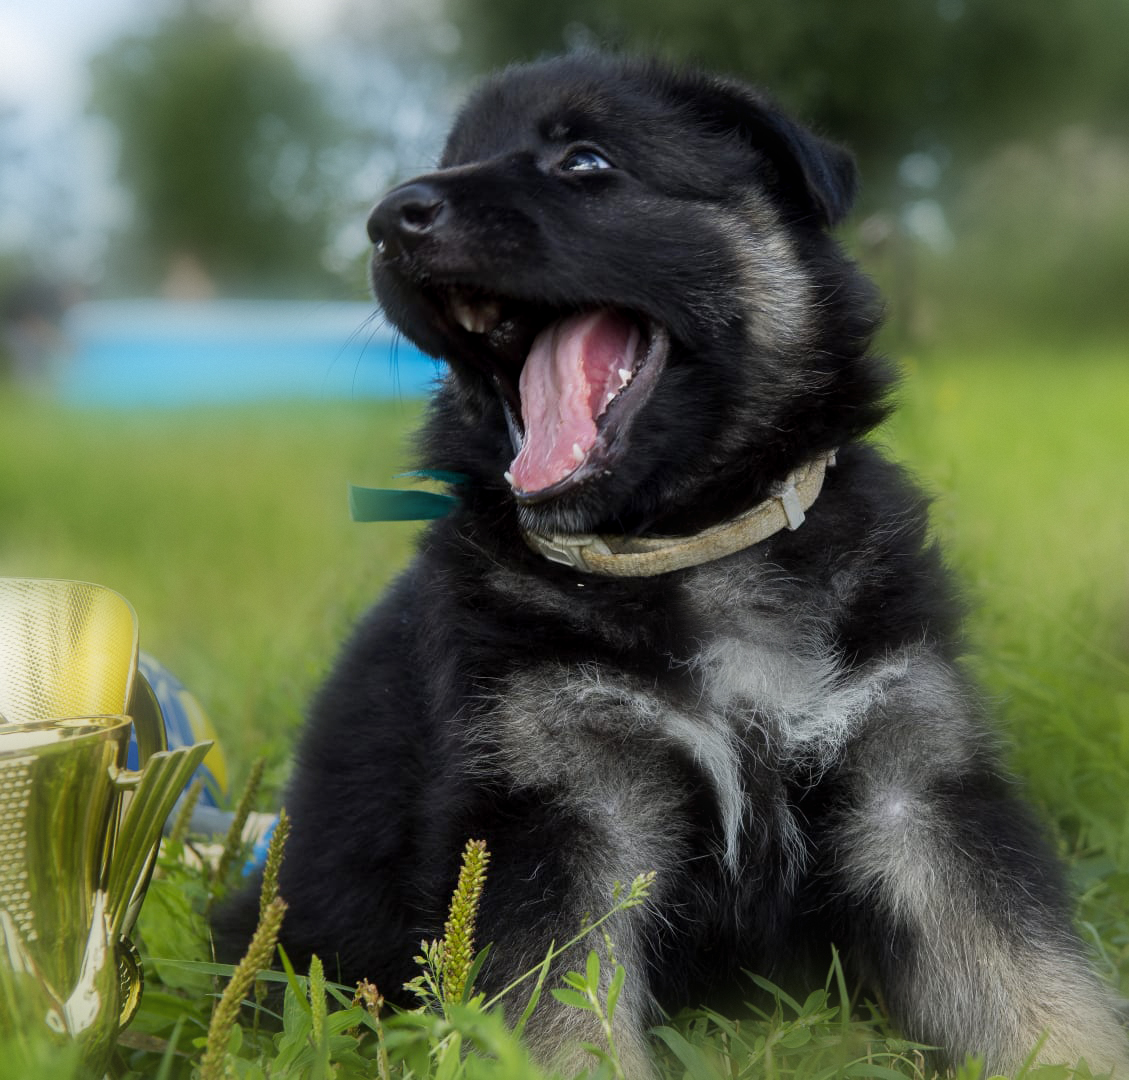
x=784 y=734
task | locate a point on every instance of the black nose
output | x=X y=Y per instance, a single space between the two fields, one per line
x=406 y=216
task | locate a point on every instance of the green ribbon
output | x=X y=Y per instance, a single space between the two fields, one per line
x=392 y=504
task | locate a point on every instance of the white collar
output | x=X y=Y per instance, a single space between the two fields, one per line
x=646 y=556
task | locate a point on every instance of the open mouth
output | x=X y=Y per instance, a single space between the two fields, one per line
x=571 y=382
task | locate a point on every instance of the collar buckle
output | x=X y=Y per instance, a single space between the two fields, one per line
x=789 y=499
x=568 y=550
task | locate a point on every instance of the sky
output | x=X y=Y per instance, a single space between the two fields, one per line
x=44 y=43
x=57 y=186
x=42 y=47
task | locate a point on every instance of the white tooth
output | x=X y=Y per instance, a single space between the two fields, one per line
x=609 y=399
x=465 y=316
x=577 y=453
x=624 y=377
x=478 y=318
x=508 y=477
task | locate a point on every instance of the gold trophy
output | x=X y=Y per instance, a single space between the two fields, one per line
x=78 y=831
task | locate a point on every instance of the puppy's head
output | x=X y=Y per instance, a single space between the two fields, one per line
x=628 y=270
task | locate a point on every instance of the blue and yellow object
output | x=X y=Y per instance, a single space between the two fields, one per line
x=186 y=723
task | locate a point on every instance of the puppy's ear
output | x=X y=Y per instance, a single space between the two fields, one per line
x=816 y=177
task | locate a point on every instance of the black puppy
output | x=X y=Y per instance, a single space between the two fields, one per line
x=684 y=618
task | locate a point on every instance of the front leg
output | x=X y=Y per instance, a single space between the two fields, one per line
x=549 y=877
x=957 y=905
x=586 y=794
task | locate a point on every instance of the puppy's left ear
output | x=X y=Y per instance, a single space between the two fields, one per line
x=815 y=176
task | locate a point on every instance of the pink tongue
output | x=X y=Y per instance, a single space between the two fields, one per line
x=572 y=368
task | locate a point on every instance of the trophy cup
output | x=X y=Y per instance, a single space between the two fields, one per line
x=78 y=830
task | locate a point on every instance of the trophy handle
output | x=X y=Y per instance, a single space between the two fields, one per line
x=154 y=790
x=148 y=720
x=131 y=980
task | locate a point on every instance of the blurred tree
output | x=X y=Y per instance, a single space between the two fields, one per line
x=888 y=77
x=224 y=145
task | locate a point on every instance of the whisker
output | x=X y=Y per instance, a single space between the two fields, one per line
x=370 y=324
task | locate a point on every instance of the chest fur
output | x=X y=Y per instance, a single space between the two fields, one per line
x=763 y=702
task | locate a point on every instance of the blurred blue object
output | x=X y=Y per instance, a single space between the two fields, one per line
x=259 y=848
x=185 y=723
x=133 y=353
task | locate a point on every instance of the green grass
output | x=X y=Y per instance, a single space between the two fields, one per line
x=228 y=530
x=1027 y=456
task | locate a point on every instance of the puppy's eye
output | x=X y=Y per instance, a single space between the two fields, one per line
x=584 y=161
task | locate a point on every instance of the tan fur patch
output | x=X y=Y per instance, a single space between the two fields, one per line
x=974 y=990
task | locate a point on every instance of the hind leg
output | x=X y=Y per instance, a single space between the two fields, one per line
x=962 y=919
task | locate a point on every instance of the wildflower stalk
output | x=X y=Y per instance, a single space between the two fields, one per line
x=268 y=892
x=256 y=959
x=316 y=990
x=273 y=862
x=233 y=843
x=458 y=933
x=447 y=963
x=373 y=1001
